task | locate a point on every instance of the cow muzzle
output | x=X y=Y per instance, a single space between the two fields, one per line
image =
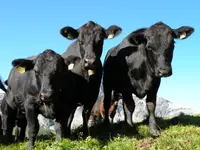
x=45 y=96
x=165 y=72
x=89 y=63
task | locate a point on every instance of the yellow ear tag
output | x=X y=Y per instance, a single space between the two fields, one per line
x=20 y=69
x=70 y=66
x=90 y=72
x=110 y=36
x=135 y=41
x=69 y=36
x=183 y=35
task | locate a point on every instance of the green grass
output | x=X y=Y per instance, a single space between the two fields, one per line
x=180 y=133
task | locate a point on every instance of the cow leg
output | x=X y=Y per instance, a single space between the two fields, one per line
x=112 y=111
x=20 y=130
x=33 y=124
x=63 y=124
x=107 y=100
x=92 y=120
x=129 y=107
x=1 y=130
x=70 y=119
x=59 y=130
x=85 y=121
x=8 y=120
x=113 y=105
x=151 y=105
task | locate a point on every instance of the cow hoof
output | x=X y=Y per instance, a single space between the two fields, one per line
x=154 y=132
x=30 y=147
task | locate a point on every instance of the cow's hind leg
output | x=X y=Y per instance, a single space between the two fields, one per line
x=113 y=105
x=107 y=101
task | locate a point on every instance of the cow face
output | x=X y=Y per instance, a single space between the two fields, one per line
x=48 y=69
x=159 y=42
x=90 y=39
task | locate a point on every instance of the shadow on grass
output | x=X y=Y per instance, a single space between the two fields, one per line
x=121 y=129
x=42 y=136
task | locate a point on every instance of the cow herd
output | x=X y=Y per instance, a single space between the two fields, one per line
x=54 y=85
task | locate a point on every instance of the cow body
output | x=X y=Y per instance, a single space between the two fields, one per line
x=36 y=87
x=136 y=66
x=88 y=47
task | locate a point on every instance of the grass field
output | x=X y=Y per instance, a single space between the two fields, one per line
x=180 y=133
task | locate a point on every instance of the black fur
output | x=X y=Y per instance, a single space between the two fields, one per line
x=88 y=47
x=136 y=66
x=39 y=90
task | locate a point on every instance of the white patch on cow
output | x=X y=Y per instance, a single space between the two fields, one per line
x=90 y=72
x=110 y=36
x=70 y=66
x=183 y=35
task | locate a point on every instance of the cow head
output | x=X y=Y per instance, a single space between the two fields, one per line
x=159 y=45
x=48 y=69
x=90 y=39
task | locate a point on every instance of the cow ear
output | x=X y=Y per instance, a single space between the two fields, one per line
x=183 y=32
x=23 y=65
x=113 y=31
x=137 y=37
x=69 y=33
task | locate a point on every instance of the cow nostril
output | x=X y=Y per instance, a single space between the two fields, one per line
x=164 y=72
x=44 y=96
x=89 y=61
x=86 y=60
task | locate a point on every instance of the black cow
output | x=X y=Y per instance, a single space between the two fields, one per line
x=136 y=66
x=88 y=47
x=37 y=86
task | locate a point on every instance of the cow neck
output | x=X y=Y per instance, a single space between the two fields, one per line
x=81 y=71
x=141 y=80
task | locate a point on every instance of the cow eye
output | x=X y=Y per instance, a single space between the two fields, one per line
x=150 y=48
x=37 y=74
x=80 y=42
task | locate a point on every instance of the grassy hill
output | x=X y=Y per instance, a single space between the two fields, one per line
x=180 y=133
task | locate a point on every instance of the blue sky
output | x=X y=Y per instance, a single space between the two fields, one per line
x=29 y=27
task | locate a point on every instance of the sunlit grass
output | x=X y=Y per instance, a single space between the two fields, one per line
x=181 y=133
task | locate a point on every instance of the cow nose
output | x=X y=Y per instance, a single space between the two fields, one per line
x=88 y=62
x=45 y=95
x=165 y=72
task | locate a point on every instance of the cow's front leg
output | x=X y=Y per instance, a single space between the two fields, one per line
x=20 y=130
x=59 y=130
x=151 y=106
x=8 y=120
x=33 y=125
x=129 y=107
